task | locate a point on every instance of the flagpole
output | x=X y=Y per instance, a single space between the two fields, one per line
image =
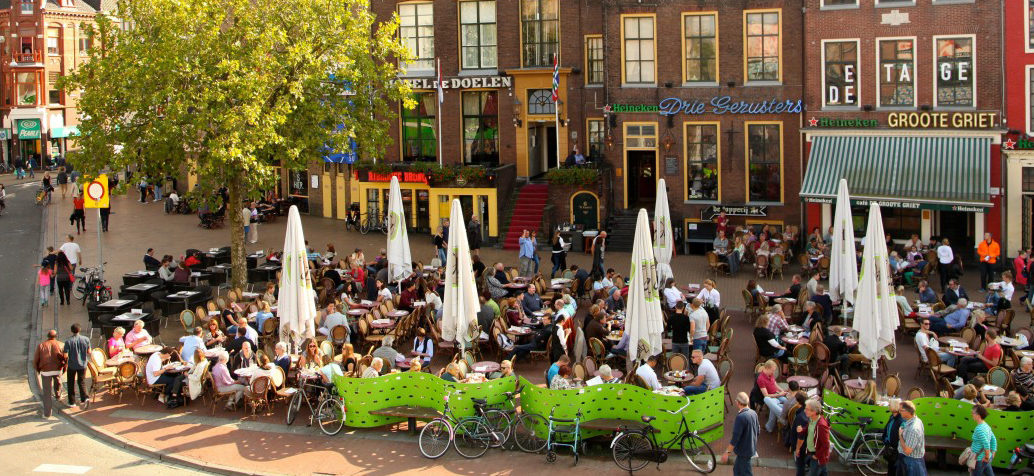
x=556 y=104
x=440 y=101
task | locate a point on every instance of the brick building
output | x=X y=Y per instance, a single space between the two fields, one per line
x=1018 y=150
x=905 y=100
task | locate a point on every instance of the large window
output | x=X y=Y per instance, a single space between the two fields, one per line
x=540 y=101
x=637 y=49
x=897 y=68
x=763 y=46
x=419 y=126
x=481 y=127
x=955 y=71
x=417 y=30
x=85 y=41
x=477 y=33
x=25 y=84
x=1030 y=25
x=701 y=44
x=899 y=223
x=837 y=3
x=594 y=59
x=1030 y=100
x=539 y=31
x=840 y=73
x=702 y=161
x=597 y=134
x=764 y=160
x=53 y=41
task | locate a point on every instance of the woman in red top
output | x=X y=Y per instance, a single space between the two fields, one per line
x=79 y=214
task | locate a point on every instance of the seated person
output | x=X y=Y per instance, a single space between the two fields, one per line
x=182 y=274
x=606 y=375
x=452 y=373
x=707 y=375
x=1023 y=376
x=423 y=347
x=333 y=320
x=647 y=373
x=150 y=262
x=138 y=336
x=927 y=338
x=768 y=345
x=926 y=294
x=374 y=370
x=116 y=344
x=954 y=321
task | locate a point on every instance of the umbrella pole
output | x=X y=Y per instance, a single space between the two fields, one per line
x=874 y=369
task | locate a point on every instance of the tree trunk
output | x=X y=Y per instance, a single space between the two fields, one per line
x=238 y=255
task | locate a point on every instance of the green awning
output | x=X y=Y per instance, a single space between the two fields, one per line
x=59 y=132
x=930 y=172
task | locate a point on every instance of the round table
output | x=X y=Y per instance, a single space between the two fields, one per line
x=613 y=373
x=403 y=365
x=530 y=322
x=670 y=376
x=947 y=340
x=796 y=340
x=358 y=312
x=397 y=313
x=118 y=360
x=992 y=392
x=804 y=381
x=383 y=325
x=840 y=329
x=614 y=337
x=147 y=349
x=1025 y=353
x=855 y=383
x=523 y=331
x=1008 y=342
x=485 y=367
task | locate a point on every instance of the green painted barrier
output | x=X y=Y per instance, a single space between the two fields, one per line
x=944 y=416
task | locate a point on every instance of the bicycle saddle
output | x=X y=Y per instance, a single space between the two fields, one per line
x=1029 y=449
x=648 y=419
x=479 y=401
x=865 y=421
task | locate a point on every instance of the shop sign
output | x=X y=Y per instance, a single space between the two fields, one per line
x=903 y=204
x=725 y=104
x=585 y=210
x=737 y=211
x=942 y=120
x=494 y=82
x=1022 y=144
x=28 y=128
x=406 y=177
x=5 y=134
x=632 y=108
x=827 y=122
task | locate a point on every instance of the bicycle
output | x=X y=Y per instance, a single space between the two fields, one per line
x=43 y=196
x=524 y=428
x=470 y=436
x=633 y=449
x=89 y=286
x=329 y=411
x=863 y=450
x=373 y=223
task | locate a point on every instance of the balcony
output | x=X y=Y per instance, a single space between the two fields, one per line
x=27 y=59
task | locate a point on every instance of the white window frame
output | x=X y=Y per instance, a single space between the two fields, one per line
x=823 y=6
x=410 y=67
x=858 y=74
x=973 y=69
x=894 y=3
x=1027 y=100
x=27 y=3
x=480 y=45
x=1027 y=36
x=880 y=72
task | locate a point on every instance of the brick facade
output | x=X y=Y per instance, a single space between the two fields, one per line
x=1019 y=157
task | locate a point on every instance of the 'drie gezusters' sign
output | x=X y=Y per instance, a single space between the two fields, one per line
x=461 y=83
x=725 y=104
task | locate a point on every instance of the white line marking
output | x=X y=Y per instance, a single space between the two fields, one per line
x=61 y=468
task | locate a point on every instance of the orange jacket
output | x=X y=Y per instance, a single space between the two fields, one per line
x=992 y=250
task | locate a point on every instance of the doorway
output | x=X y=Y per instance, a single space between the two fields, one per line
x=956 y=227
x=542 y=153
x=642 y=177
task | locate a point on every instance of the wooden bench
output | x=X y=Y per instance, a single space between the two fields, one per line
x=942 y=444
x=409 y=412
x=616 y=424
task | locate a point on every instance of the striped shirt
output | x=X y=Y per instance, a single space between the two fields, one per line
x=983 y=439
x=914 y=437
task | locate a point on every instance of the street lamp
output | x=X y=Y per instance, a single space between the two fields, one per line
x=516 y=112
x=560 y=112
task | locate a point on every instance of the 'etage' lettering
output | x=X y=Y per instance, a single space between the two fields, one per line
x=725 y=104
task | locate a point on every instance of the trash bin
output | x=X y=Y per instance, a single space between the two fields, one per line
x=577 y=241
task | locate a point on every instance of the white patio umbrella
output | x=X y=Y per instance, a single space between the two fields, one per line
x=400 y=262
x=663 y=242
x=460 y=303
x=875 y=309
x=296 y=300
x=843 y=268
x=643 y=308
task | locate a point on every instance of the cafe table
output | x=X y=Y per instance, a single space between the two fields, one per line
x=992 y=390
x=1025 y=353
x=949 y=340
x=357 y=312
x=804 y=381
x=613 y=373
x=396 y=314
x=382 y=324
x=678 y=377
x=486 y=367
x=116 y=304
x=147 y=349
x=141 y=287
x=855 y=383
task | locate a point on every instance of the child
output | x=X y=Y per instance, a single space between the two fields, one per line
x=44 y=283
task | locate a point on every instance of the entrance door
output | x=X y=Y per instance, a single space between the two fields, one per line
x=549 y=136
x=957 y=228
x=541 y=148
x=642 y=177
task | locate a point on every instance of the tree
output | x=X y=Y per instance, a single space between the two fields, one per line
x=228 y=89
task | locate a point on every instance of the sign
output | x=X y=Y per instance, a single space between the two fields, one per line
x=913 y=205
x=725 y=104
x=827 y=122
x=671 y=166
x=461 y=83
x=585 y=210
x=5 y=134
x=739 y=211
x=634 y=108
x=942 y=120
x=842 y=94
x=96 y=192
x=28 y=128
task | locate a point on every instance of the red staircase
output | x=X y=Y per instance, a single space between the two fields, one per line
x=527 y=214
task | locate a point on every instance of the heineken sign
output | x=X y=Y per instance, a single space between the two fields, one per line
x=28 y=128
x=903 y=204
x=827 y=122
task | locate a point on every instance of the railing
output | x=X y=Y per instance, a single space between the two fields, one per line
x=33 y=57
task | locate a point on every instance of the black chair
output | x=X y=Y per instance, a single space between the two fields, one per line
x=133 y=280
x=255 y=275
x=204 y=292
x=132 y=296
x=151 y=266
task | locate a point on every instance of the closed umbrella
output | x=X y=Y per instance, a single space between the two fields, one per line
x=400 y=262
x=663 y=242
x=296 y=300
x=875 y=309
x=460 y=303
x=843 y=267
x=643 y=319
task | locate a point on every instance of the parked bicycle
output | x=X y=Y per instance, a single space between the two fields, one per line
x=326 y=408
x=89 y=286
x=522 y=429
x=470 y=436
x=635 y=448
x=863 y=450
x=374 y=223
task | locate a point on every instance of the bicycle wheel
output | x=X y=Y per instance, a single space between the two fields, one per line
x=435 y=438
x=331 y=416
x=104 y=294
x=499 y=424
x=383 y=225
x=625 y=448
x=39 y=197
x=472 y=438
x=294 y=407
x=698 y=453
x=365 y=227
x=528 y=432
x=79 y=290
x=867 y=456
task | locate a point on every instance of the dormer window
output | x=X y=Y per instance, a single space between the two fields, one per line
x=27 y=8
x=67 y=3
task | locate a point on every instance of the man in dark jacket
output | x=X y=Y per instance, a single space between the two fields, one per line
x=77 y=353
x=474 y=235
x=744 y=437
x=823 y=299
x=49 y=361
x=790 y=438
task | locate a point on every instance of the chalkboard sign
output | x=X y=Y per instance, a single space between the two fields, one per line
x=701 y=232
x=671 y=166
x=585 y=210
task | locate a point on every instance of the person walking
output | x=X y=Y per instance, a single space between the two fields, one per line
x=989 y=251
x=44 y=283
x=559 y=255
x=535 y=250
x=945 y=260
x=158 y=189
x=246 y=216
x=72 y=251
x=815 y=439
x=441 y=244
x=891 y=435
x=49 y=362
x=474 y=235
x=63 y=276
x=253 y=236
x=599 y=245
x=911 y=442
x=984 y=443
x=525 y=256
x=79 y=214
x=62 y=181
x=105 y=212
x=143 y=189
x=744 y=437
x=77 y=351
x=19 y=168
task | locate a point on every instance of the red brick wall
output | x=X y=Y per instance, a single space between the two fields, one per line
x=1017 y=60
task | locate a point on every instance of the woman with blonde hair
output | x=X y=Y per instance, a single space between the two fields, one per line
x=868 y=395
x=414 y=364
x=969 y=394
x=348 y=360
x=116 y=344
x=312 y=357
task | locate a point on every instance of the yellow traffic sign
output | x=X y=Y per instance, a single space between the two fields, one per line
x=96 y=192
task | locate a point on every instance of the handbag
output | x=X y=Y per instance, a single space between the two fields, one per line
x=968 y=458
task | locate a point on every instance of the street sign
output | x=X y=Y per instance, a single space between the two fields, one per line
x=712 y=211
x=96 y=192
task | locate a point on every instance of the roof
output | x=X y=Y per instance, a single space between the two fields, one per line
x=80 y=6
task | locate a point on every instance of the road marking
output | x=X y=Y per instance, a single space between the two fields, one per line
x=61 y=468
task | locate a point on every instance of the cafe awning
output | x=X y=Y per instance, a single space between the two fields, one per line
x=947 y=173
x=59 y=132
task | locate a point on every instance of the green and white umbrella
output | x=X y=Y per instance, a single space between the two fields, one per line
x=460 y=303
x=843 y=268
x=296 y=300
x=663 y=242
x=875 y=308
x=400 y=261
x=643 y=320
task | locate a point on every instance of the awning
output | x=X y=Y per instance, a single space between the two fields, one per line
x=946 y=173
x=59 y=132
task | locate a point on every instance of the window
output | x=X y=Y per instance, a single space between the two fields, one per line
x=1030 y=100
x=540 y=101
x=419 y=136
x=899 y=223
x=838 y=3
x=477 y=33
x=26 y=38
x=597 y=132
x=539 y=32
x=53 y=97
x=594 y=59
x=417 y=31
x=1030 y=26
x=1028 y=179
x=481 y=127
x=897 y=64
x=763 y=46
x=955 y=83
x=640 y=136
x=764 y=161
x=840 y=74
x=702 y=161
x=85 y=41
x=701 y=46
x=25 y=84
x=637 y=49
x=26 y=8
x=53 y=41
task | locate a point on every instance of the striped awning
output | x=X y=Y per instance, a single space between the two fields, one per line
x=942 y=171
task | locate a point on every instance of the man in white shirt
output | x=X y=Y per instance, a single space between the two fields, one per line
x=945 y=258
x=707 y=376
x=698 y=324
x=927 y=338
x=672 y=295
x=333 y=320
x=190 y=344
x=72 y=251
x=647 y=373
x=606 y=376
